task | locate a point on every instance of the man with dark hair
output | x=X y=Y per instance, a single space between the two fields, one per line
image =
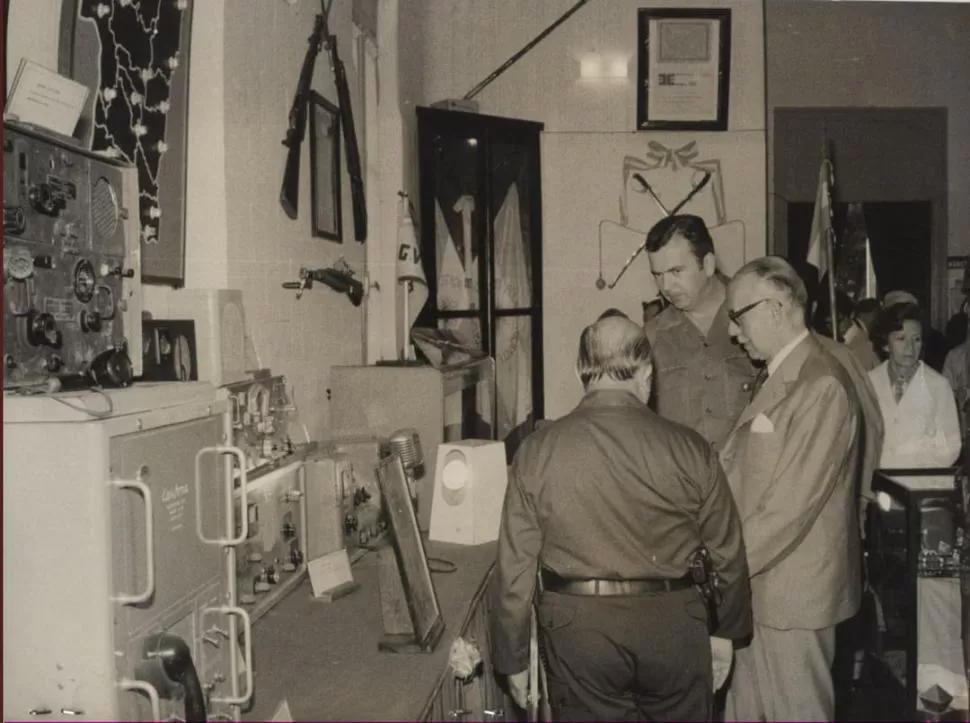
x=793 y=461
x=607 y=507
x=703 y=379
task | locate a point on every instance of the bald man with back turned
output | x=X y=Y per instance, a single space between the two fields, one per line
x=604 y=511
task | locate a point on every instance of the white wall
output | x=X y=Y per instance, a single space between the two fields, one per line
x=454 y=44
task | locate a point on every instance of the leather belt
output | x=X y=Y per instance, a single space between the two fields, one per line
x=553 y=582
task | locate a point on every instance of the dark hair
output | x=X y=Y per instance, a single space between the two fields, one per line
x=690 y=227
x=843 y=305
x=867 y=306
x=891 y=319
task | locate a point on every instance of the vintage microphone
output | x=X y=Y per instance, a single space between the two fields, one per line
x=406 y=444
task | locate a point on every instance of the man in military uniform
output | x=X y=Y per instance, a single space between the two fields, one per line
x=703 y=378
x=606 y=509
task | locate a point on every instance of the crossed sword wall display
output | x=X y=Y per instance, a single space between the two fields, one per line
x=601 y=282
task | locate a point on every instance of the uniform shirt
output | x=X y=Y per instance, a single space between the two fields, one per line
x=701 y=382
x=613 y=491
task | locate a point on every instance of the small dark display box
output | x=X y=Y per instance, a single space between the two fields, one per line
x=169 y=351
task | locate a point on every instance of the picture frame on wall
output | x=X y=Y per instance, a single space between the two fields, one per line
x=683 y=69
x=325 y=168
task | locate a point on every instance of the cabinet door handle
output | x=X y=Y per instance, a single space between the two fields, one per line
x=146 y=495
x=227 y=541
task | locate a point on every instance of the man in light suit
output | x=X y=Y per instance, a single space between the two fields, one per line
x=792 y=462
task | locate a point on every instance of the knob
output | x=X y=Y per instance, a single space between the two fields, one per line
x=89 y=320
x=54 y=363
x=350 y=523
x=247 y=598
x=107 y=270
x=255 y=557
x=41 y=329
x=296 y=557
x=288 y=567
x=260 y=586
x=43 y=201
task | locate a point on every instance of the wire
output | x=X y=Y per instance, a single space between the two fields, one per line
x=91 y=412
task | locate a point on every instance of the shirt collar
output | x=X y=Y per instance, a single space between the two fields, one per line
x=785 y=351
x=895 y=377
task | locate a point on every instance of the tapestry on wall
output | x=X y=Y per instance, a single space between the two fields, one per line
x=134 y=57
x=672 y=173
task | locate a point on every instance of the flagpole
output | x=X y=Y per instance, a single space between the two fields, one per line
x=829 y=248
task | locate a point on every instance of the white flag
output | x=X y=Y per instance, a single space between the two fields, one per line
x=819 y=250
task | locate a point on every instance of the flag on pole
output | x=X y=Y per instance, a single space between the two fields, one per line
x=819 y=245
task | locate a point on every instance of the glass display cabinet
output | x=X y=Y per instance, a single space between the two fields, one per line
x=916 y=551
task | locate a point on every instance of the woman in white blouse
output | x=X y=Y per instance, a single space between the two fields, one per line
x=917 y=403
x=922 y=430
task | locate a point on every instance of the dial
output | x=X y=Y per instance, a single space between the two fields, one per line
x=18 y=263
x=84 y=281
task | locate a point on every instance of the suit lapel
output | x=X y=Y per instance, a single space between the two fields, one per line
x=777 y=385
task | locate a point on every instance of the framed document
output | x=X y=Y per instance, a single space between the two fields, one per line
x=683 y=69
x=325 y=168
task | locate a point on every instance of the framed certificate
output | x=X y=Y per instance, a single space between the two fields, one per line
x=683 y=70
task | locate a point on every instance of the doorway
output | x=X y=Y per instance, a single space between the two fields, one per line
x=898 y=234
x=893 y=161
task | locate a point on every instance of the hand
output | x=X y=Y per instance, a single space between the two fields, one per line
x=519 y=688
x=722 y=655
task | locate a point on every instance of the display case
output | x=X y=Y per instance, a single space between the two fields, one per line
x=481 y=245
x=915 y=554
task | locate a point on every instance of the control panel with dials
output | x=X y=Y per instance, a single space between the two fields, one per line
x=71 y=263
x=261 y=412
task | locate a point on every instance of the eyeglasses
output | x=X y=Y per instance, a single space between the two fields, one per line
x=735 y=316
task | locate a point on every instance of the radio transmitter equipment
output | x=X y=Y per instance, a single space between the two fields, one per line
x=272 y=558
x=260 y=414
x=71 y=264
x=130 y=612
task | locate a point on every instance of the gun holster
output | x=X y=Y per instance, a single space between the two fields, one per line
x=706 y=581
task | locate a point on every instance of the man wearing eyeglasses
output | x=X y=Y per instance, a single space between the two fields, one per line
x=703 y=379
x=792 y=460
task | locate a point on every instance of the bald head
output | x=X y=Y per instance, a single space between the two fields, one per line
x=614 y=353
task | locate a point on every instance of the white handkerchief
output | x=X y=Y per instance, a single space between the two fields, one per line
x=762 y=425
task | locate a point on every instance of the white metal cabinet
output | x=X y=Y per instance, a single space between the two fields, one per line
x=107 y=499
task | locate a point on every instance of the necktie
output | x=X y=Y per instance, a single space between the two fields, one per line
x=759 y=381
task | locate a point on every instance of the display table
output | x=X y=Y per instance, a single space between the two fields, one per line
x=322 y=658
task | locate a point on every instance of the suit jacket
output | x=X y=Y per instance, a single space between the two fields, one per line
x=874 y=427
x=792 y=462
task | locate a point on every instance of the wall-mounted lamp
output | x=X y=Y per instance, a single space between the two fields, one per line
x=598 y=66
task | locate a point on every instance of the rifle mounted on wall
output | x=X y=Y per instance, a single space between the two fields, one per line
x=290 y=191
